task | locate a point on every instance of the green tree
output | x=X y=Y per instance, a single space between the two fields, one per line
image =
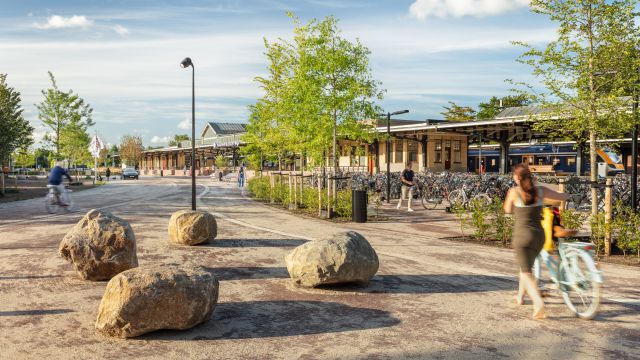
x=455 y=112
x=221 y=161
x=62 y=112
x=491 y=108
x=177 y=138
x=585 y=71
x=131 y=149
x=24 y=158
x=15 y=131
x=319 y=86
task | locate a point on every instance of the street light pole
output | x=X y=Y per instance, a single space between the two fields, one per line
x=634 y=153
x=186 y=63
x=388 y=157
x=388 y=115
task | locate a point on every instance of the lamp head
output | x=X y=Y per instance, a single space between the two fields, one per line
x=399 y=112
x=186 y=63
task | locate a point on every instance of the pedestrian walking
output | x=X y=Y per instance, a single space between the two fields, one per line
x=241 y=176
x=108 y=173
x=184 y=171
x=525 y=201
x=407 y=187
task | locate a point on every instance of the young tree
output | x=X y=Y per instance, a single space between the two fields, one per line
x=586 y=70
x=491 y=108
x=63 y=111
x=333 y=87
x=455 y=112
x=131 y=149
x=177 y=138
x=15 y=131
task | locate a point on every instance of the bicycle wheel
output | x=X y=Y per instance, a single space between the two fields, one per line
x=430 y=200
x=457 y=198
x=578 y=284
x=51 y=204
x=483 y=199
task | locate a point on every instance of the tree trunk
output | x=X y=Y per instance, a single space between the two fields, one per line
x=594 y=115
x=594 y=171
x=2 y=182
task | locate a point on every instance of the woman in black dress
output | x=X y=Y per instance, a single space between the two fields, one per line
x=525 y=201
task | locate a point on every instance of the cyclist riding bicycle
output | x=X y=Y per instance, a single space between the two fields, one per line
x=55 y=180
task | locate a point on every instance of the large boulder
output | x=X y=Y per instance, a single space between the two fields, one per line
x=100 y=246
x=189 y=227
x=346 y=257
x=146 y=299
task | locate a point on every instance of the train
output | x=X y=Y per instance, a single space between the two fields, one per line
x=562 y=158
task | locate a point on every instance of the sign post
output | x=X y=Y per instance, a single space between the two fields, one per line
x=95 y=147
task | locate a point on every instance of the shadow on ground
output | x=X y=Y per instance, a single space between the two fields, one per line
x=427 y=284
x=262 y=319
x=250 y=272
x=34 y=312
x=228 y=243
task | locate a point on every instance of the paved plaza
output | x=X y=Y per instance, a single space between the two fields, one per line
x=431 y=298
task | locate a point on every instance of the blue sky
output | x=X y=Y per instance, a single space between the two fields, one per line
x=123 y=56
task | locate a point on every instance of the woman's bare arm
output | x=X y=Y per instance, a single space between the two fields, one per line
x=554 y=195
x=508 y=202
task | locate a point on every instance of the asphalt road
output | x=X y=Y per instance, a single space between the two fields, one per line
x=431 y=298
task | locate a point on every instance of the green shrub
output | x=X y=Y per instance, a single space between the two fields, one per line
x=502 y=223
x=625 y=228
x=259 y=187
x=343 y=204
x=599 y=229
x=480 y=219
x=461 y=215
x=573 y=219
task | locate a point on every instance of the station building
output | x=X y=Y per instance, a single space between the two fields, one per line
x=433 y=145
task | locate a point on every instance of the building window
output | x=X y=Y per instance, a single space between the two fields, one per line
x=438 y=152
x=571 y=161
x=412 y=146
x=399 y=151
x=457 y=151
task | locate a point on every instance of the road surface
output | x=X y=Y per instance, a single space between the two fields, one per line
x=431 y=298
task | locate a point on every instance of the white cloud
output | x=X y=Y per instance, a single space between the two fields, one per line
x=185 y=124
x=160 y=139
x=423 y=9
x=59 y=22
x=121 y=30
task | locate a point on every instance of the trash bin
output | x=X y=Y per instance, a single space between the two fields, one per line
x=359 y=206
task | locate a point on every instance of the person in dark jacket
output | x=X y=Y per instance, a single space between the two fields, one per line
x=55 y=180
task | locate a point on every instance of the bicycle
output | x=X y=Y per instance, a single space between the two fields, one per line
x=464 y=196
x=575 y=274
x=52 y=200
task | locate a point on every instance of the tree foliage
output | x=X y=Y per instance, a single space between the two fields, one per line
x=491 y=108
x=177 y=139
x=455 y=112
x=319 y=87
x=68 y=117
x=586 y=70
x=15 y=130
x=131 y=149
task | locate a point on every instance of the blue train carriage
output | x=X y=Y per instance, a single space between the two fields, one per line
x=561 y=156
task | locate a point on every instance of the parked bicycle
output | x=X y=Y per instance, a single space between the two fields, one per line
x=53 y=200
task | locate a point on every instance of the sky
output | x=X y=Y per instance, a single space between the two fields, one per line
x=123 y=56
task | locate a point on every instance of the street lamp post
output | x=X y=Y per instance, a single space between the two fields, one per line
x=184 y=64
x=388 y=115
x=634 y=153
